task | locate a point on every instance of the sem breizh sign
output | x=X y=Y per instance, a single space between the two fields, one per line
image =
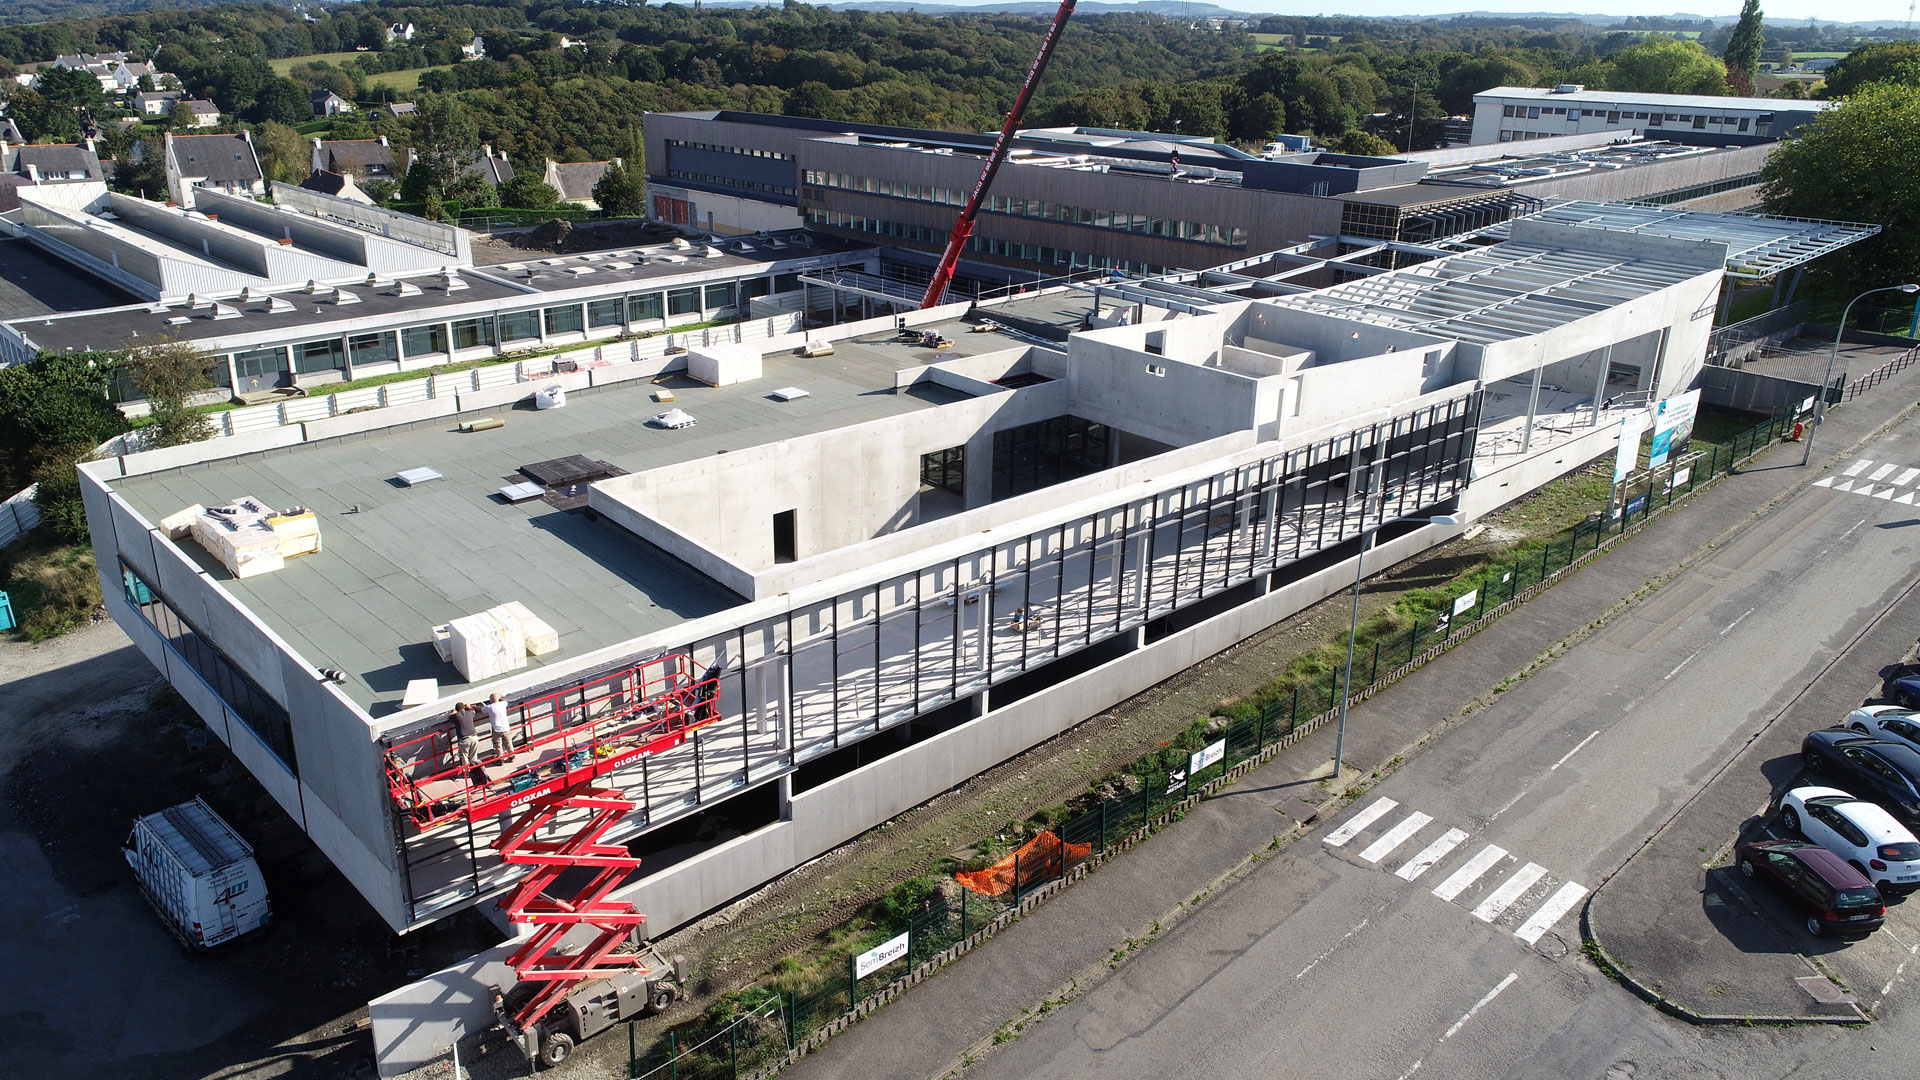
x=879 y=956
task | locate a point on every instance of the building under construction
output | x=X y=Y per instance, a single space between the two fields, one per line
x=805 y=581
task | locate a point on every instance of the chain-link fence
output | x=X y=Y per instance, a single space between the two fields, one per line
x=765 y=1023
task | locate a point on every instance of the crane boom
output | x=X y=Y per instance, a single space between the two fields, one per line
x=963 y=227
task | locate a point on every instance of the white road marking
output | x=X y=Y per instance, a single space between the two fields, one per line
x=1510 y=890
x=1395 y=836
x=1736 y=622
x=1683 y=663
x=1343 y=940
x=1414 y=1068
x=1905 y=478
x=1512 y=976
x=1857 y=467
x=1825 y=481
x=1550 y=912
x=1856 y=525
x=1881 y=472
x=1575 y=750
x=1906 y=498
x=1844 y=485
x=1380 y=808
x=1887 y=494
x=1509 y=806
x=1470 y=873
x=1431 y=854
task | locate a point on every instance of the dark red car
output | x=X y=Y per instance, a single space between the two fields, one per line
x=1836 y=898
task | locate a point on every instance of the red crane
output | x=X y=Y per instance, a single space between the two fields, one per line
x=963 y=228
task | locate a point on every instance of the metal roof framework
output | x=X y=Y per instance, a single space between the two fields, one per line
x=1758 y=245
x=1495 y=293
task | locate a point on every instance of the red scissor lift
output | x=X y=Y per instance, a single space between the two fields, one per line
x=566 y=742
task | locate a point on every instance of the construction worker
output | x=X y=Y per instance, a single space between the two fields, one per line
x=497 y=723
x=466 y=741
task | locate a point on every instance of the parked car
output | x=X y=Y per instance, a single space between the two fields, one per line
x=1884 y=772
x=1866 y=836
x=1890 y=723
x=1834 y=897
x=1903 y=690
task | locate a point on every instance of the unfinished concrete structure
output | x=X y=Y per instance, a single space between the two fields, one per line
x=875 y=569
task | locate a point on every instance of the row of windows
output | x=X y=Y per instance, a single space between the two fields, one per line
x=1615 y=116
x=486 y=331
x=1041 y=254
x=1124 y=221
x=243 y=697
x=1701 y=191
x=744 y=151
x=728 y=182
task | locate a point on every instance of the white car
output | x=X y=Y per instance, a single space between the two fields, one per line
x=1860 y=832
x=1893 y=723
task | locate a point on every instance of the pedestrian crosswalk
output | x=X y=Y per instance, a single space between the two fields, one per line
x=1491 y=892
x=1875 y=480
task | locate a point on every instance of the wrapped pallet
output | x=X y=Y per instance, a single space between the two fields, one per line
x=541 y=637
x=298 y=532
x=238 y=535
x=485 y=647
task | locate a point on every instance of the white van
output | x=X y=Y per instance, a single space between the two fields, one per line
x=198 y=874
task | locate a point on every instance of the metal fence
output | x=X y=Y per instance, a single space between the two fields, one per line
x=1880 y=374
x=18 y=515
x=766 y=1025
x=1732 y=345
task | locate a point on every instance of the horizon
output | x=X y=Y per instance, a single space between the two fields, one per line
x=1869 y=11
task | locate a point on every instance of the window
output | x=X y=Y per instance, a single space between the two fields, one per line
x=519 y=325
x=683 y=302
x=244 y=698
x=720 y=296
x=785 y=283
x=248 y=365
x=604 y=312
x=643 y=307
x=373 y=348
x=945 y=470
x=1037 y=455
x=563 y=320
x=472 y=333
x=1157 y=346
x=318 y=356
x=421 y=340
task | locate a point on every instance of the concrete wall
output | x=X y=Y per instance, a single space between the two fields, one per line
x=1116 y=382
x=413 y=1025
x=1499 y=481
x=1732 y=388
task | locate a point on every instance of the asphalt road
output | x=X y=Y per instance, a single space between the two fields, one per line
x=1338 y=961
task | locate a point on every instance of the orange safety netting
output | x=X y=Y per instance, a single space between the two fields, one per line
x=1044 y=856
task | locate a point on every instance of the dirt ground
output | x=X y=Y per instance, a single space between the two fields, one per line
x=90 y=738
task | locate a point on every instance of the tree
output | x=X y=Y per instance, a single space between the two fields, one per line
x=815 y=99
x=1887 y=61
x=167 y=372
x=527 y=191
x=1664 y=65
x=620 y=193
x=284 y=155
x=181 y=118
x=380 y=190
x=71 y=88
x=281 y=101
x=1743 y=49
x=1792 y=89
x=1483 y=71
x=442 y=126
x=1852 y=163
x=54 y=401
x=144 y=84
x=41 y=119
x=1359 y=142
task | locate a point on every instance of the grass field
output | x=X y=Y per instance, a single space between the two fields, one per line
x=286 y=64
x=401 y=82
x=1266 y=42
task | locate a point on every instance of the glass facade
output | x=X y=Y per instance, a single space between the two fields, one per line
x=564 y=320
x=244 y=699
x=473 y=333
x=1041 y=454
x=684 y=301
x=373 y=348
x=604 y=312
x=519 y=326
x=314 y=356
x=644 y=307
x=424 y=340
x=720 y=296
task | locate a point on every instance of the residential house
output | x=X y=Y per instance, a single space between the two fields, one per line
x=85 y=60
x=475 y=49
x=574 y=180
x=10 y=132
x=400 y=32
x=223 y=163
x=155 y=102
x=68 y=173
x=488 y=164
x=126 y=77
x=205 y=113
x=366 y=159
x=328 y=103
x=402 y=109
x=339 y=185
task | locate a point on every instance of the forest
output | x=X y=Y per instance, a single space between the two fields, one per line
x=570 y=80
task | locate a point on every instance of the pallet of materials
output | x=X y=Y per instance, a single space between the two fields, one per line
x=251 y=538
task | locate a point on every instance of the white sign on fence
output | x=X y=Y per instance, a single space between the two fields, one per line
x=1176 y=779
x=1680 y=476
x=1807 y=405
x=1466 y=601
x=879 y=956
x=1207 y=755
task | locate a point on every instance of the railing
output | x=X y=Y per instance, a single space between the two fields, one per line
x=18 y=515
x=1733 y=344
x=1880 y=374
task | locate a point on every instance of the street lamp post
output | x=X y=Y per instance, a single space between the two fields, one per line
x=1820 y=402
x=1353 y=626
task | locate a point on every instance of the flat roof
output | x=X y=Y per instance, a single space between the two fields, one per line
x=34 y=283
x=1758 y=245
x=1665 y=101
x=559 y=273
x=1495 y=293
x=415 y=557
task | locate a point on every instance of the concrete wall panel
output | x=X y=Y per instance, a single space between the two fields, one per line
x=374 y=419
x=173 y=457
